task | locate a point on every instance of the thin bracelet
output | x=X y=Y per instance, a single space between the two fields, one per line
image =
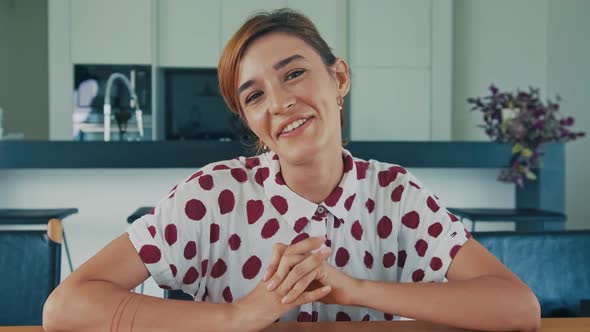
x=125 y=306
x=135 y=313
x=117 y=311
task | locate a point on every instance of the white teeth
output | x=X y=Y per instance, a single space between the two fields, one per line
x=294 y=125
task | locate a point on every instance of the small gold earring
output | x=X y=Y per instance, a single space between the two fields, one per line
x=340 y=102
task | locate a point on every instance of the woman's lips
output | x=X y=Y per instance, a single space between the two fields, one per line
x=297 y=130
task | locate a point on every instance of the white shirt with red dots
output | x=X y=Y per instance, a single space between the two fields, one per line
x=212 y=235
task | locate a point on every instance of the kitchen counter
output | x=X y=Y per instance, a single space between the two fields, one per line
x=547 y=193
x=179 y=154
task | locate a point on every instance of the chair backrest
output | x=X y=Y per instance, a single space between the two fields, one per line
x=555 y=265
x=30 y=267
x=177 y=295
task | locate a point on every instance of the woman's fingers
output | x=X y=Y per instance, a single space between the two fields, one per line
x=302 y=284
x=302 y=248
x=312 y=296
x=287 y=262
x=302 y=270
x=277 y=252
x=305 y=246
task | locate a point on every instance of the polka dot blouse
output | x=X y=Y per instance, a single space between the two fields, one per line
x=212 y=235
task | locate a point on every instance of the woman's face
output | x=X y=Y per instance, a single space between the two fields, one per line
x=289 y=98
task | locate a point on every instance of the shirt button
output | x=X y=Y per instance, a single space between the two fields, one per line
x=321 y=209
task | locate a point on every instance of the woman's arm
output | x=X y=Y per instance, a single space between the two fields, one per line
x=97 y=297
x=481 y=294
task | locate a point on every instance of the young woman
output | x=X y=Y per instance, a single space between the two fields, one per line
x=303 y=231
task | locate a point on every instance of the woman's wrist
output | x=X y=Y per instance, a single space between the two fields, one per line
x=237 y=318
x=367 y=294
x=241 y=317
x=359 y=292
x=245 y=316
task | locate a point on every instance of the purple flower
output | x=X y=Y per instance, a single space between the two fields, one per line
x=539 y=112
x=534 y=122
x=493 y=89
x=564 y=131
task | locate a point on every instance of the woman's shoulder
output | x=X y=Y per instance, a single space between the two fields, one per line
x=237 y=171
x=384 y=173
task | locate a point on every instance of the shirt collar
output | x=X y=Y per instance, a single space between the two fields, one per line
x=339 y=202
x=343 y=197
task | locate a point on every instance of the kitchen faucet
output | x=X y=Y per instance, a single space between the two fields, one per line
x=133 y=103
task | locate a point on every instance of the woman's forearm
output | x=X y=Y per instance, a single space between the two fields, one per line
x=102 y=306
x=484 y=303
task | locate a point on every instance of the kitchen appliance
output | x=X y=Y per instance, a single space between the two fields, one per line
x=90 y=82
x=195 y=110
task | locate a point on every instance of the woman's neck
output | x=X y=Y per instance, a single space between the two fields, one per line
x=315 y=180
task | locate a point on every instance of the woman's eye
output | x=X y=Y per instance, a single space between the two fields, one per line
x=294 y=74
x=253 y=96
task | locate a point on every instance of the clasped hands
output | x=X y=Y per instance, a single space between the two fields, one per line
x=300 y=273
x=297 y=274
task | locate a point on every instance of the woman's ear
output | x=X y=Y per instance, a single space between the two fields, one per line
x=342 y=75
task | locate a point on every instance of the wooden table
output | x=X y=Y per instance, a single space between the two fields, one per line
x=547 y=325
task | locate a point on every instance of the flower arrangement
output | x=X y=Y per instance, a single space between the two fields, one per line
x=522 y=119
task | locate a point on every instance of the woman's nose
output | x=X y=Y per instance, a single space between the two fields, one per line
x=281 y=100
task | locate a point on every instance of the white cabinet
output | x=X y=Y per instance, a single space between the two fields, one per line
x=399 y=51
x=390 y=32
x=235 y=12
x=391 y=47
x=330 y=18
x=189 y=33
x=110 y=31
x=390 y=104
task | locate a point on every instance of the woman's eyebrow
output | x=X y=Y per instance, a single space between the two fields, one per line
x=288 y=60
x=245 y=86
x=277 y=66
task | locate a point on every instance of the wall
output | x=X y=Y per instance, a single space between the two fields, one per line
x=569 y=75
x=502 y=42
x=23 y=67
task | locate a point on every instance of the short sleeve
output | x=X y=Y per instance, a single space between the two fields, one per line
x=429 y=236
x=168 y=238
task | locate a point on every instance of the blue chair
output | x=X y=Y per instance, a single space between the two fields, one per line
x=30 y=267
x=28 y=217
x=555 y=265
x=168 y=294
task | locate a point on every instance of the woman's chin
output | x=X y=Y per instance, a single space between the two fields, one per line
x=305 y=148
x=300 y=153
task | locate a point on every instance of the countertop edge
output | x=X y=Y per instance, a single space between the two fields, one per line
x=190 y=154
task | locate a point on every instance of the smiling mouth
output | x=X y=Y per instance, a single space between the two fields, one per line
x=293 y=127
